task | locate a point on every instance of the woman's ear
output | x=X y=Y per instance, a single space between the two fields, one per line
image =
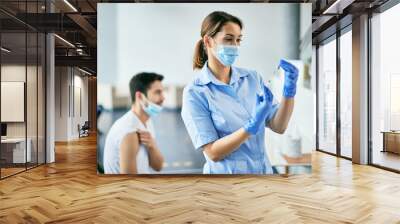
x=207 y=42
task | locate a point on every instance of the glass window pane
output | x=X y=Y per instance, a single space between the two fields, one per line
x=327 y=97
x=32 y=87
x=385 y=86
x=41 y=99
x=31 y=98
x=346 y=94
x=23 y=90
x=13 y=86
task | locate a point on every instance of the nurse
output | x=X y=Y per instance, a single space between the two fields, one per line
x=226 y=109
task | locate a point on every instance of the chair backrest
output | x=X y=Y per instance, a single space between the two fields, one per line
x=86 y=125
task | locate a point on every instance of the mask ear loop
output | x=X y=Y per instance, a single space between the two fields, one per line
x=204 y=45
x=213 y=49
x=144 y=98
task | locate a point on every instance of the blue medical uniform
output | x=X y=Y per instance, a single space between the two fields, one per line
x=212 y=109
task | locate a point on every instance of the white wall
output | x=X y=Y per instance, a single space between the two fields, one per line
x=61 y=103
x=302 y=124
x=161 y=38
x=82 y=83
x=67 y=115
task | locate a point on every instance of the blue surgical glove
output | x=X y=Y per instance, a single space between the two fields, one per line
x=260 y=113
x=291 y=75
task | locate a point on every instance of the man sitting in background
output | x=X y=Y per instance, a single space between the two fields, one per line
x=130 y=147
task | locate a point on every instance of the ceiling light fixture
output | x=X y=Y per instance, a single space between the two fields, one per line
x=5 y=50
x=65 y=41
x=84 y=71
x=329 y=9
x=337 y=7
x=70 y=5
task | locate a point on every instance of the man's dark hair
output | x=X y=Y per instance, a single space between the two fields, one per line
x=142 y=81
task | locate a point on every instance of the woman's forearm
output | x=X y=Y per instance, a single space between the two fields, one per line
x=281 y=119
x=219 y=149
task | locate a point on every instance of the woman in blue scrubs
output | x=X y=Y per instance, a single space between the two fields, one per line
x=226 y=109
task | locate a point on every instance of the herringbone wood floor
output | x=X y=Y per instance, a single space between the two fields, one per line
x=70 y=191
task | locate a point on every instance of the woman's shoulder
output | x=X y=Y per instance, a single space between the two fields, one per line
x=196 y=89
x=197 y=83
x=193 y=90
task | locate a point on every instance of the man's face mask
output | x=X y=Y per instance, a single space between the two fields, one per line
x=226 y=54
x=150 y=108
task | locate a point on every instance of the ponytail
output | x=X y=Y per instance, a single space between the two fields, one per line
x=200 y=55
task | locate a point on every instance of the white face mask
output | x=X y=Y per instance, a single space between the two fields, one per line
x=151 y=109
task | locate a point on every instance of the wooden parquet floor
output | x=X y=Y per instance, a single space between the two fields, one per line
x=70 y=191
